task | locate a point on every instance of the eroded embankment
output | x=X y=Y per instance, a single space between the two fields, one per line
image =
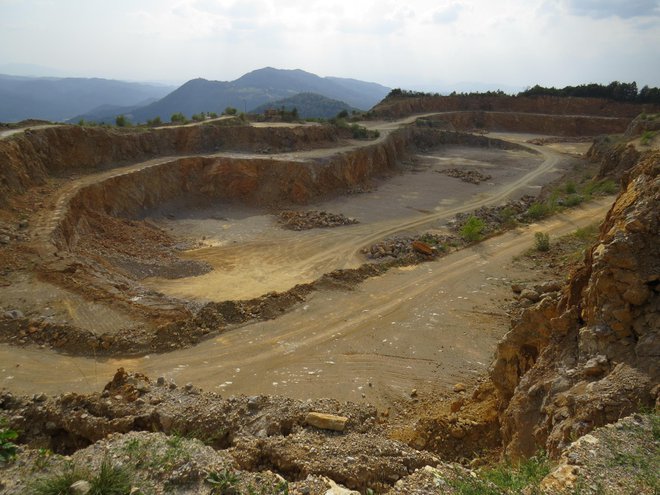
x=580 y=359
x=31 y=156
x=554 y=125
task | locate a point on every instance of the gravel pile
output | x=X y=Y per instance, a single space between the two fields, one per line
x=305 y=220
x=469 y=176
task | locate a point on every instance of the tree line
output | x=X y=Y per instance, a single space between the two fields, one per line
x=617 y=91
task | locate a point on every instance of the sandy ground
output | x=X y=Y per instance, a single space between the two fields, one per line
x=424 y=327
x=252 y=256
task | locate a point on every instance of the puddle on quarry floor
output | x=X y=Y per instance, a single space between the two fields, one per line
x=251 y=255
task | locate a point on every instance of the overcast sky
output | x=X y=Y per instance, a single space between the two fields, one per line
x=417 y=43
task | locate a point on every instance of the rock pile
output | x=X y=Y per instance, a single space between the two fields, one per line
x=469 y=176
x=403 y=247
x=305 y=220
x=258 y=434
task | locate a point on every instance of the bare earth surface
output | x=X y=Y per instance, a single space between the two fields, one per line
x=424 y=327
x=421 y=327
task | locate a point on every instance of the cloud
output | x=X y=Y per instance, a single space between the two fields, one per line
x=624 y=9
x=448 y=14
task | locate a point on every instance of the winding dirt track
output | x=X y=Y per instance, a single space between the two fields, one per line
x=425 y=327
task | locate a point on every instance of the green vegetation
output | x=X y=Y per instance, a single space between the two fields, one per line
x=539 y=210
x=110 y=480
x=646 y=138
x=404 y=93
x=154 y=122
x=8 y=448
x=616 y=91
x=122 y=121
x=224 y=482
x=473 y=229
x=600 y=188
x=505 y=479
x=227 y=482
x=178 y=118
x=198 y=117
x=542 y=241
x=230 y=111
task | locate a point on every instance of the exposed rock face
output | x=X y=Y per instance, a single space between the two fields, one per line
x=551 y=105
x=591 y=356
x=615 y=160
x=28 y=158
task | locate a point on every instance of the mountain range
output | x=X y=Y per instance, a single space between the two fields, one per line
x=250 y=91
x=308 y=105
x=101 y=100
x=58 y=99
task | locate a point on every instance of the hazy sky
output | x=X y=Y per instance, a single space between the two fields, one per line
x=418 y=43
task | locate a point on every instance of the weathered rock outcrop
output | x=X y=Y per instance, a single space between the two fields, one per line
x=614 y=159
x=29 y=157
x=550 y=105
x=590 y=357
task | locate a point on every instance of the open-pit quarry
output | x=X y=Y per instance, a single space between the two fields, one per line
x=163 y=252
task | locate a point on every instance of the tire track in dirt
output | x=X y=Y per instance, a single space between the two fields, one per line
x=337 y=342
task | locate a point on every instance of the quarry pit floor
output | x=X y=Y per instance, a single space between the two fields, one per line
x=420 y=328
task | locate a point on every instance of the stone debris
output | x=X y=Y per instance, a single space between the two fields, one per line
x=312 y=219
x=413 y=248
x=469 y=176
x=325 y=421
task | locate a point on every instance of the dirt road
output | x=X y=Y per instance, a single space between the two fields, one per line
x=423 y=327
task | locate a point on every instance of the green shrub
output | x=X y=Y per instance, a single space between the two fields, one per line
x=213 y=115
x=121 y=121
x=155 y=121
x=537 y=211
x=230 y=111
x=473 y=229
x=7 y=446
x=198 y=117
x=542 y=241
x=508 y=216
x=178 y=118
x=573 y=200
x=603 y=187
x=570 y=187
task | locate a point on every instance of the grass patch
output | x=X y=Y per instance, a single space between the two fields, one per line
x=109 y=480
x=506 y=478
x=600 y=188
x=646 y=138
